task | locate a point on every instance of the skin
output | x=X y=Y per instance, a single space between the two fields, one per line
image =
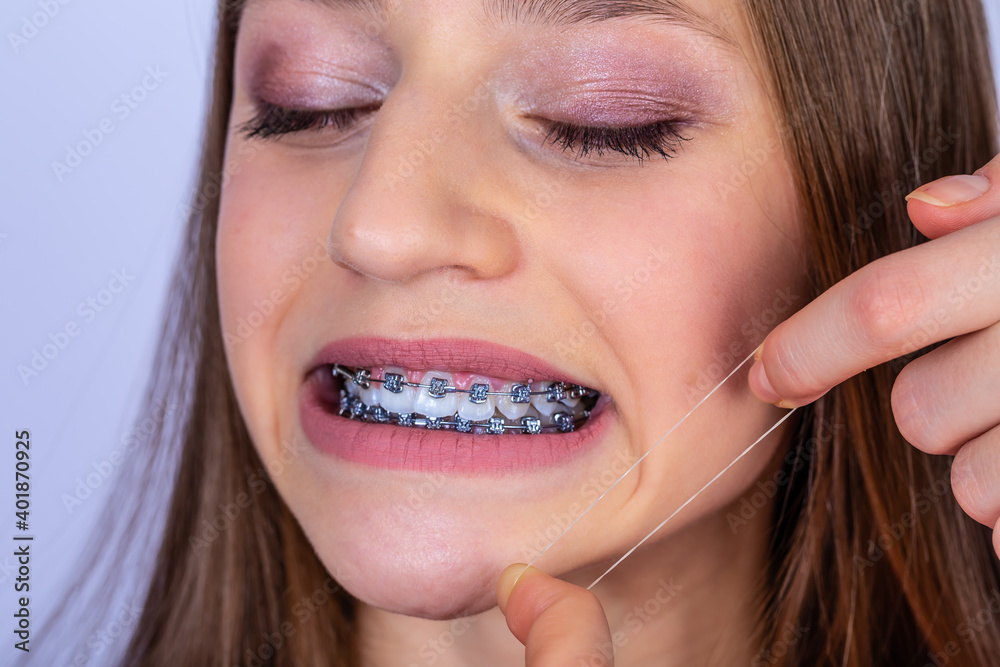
x=326 y=234
x=939 y=401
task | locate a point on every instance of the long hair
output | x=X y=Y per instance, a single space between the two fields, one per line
x=872 y=560
x=870 y=549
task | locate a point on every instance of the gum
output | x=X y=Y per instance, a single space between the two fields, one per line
x=461 y=380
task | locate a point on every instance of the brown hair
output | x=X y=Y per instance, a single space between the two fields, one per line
x=870 y=555
x=870 y=549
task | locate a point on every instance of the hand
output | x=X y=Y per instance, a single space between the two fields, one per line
x=944 y=402
x=560 y=625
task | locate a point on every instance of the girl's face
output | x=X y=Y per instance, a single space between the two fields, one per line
x=501 y=190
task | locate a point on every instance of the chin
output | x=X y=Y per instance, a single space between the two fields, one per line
x=419 y=577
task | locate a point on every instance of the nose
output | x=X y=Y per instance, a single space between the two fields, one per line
x=422 y=198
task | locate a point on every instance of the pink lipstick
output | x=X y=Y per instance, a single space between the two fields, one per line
x=562 y=419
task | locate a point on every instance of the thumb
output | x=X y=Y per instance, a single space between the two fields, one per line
x=953 y=202
x=560 y=625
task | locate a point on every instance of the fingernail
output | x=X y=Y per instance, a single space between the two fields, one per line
x=762 y=386
x=758 y=352
x=951 y=190
x=508 y=578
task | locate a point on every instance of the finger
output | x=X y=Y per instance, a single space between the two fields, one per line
x=560 y=625
x=947 y=397
x=996 y=538
x=891 y=307
x=953 y=202
x=975 y=478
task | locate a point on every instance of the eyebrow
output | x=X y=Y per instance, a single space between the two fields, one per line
x=559 y=13
x=576 y=12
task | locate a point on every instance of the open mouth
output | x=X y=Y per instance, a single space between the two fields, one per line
x=385 y=403
x=463 y=402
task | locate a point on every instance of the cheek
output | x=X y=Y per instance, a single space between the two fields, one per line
x=682 y=282
x=265 y=255
x=677 y=279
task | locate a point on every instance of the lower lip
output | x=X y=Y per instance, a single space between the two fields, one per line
x=424 y=450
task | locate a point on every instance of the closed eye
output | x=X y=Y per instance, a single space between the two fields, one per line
x=639 y=142
x=271 y=121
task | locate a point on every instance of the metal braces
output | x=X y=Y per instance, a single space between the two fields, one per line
x=353 y=407
x=438 y=388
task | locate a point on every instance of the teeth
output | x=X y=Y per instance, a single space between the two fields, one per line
x=550 y=406
x=477 y=407
x=531 y=425
x=370 y=395
x=507 y=407
x=402 y=401
x=564 y=420
x=431 y=402
x=571 y=402
x=541 y=402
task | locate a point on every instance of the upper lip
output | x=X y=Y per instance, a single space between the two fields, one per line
x=444 y=354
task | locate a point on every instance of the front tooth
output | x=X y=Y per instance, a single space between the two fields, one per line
x=370 y=396
x=427 y=405
x=541 y=401
x=508 y=408
x=401 y=402
x=477 y=412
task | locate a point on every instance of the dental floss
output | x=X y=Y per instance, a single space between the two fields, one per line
x=651 y=450
x=696 y=494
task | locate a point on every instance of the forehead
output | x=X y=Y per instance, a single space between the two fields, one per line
x=713 y=18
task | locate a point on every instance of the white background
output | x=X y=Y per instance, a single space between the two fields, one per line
x=63 y=236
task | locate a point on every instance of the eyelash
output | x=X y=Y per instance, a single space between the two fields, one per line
x=639 y=142
x=273 y=121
